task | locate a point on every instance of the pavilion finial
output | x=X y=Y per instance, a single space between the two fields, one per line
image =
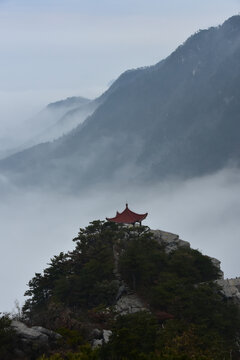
x=126 y=204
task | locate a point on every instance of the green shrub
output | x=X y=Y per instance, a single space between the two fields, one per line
x=85 y=352
x=7 y=338
x=133 y=336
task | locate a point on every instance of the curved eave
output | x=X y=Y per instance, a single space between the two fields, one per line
x=128 y=218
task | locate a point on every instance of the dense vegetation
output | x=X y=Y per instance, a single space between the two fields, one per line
x=81 y=279
x=7 y=338
x=188 y=317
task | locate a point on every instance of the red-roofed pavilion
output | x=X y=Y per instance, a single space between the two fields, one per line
x=128 y=217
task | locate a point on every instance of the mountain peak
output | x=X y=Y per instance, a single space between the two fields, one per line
x=233 y=21
x=232 y=26
x=135 y=291
x=69 y=102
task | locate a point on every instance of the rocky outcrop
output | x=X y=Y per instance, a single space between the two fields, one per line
x=100 y=337
x=217 y=264
x=97 y=342
x=106 y=335
x=170 y=241
x=50 y=334
x=230 y=288
x=129 y=304
x=34 y=339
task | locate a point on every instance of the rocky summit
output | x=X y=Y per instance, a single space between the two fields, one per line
x=127 y=292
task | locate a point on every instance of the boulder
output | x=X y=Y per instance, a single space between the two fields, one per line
x=29 y=334
x=170 y=241
x=230 y=288
x=97 y=342
x=32 y=340
x=129 y=304
x=106 y=335
x=51 y=334
x=164 y=236
x=217 y=264
x=101 y=337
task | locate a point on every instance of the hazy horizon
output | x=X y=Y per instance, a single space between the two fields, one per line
x=51 y=50
x=55 y=49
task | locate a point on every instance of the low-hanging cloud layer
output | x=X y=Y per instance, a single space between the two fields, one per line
x=36 y=226
x=59 y=48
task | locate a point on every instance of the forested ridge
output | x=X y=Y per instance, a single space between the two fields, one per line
x=176 y=119
x=185 y=315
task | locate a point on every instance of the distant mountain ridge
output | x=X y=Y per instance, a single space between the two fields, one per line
x=70 y=102
x=178 y=118
x=52 y=122
x=59 y=118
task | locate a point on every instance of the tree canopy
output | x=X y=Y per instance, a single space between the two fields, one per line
x=77 y=292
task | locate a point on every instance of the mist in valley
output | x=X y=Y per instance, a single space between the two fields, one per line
x=30 y=118
x=37 y=225
x=73 y=49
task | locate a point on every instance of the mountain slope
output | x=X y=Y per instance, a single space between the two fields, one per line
x=179 y=117
x=58 y=118
x=52 y=122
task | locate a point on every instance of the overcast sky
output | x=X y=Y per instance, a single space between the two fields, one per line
x=51 y=49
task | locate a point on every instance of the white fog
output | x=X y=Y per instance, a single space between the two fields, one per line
x=51 y=50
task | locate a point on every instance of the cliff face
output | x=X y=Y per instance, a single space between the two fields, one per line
x=231 y=288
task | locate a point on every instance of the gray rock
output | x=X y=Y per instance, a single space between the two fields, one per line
x=97 y=342
x=129 y=304
x=217 y=264
x=51 y=334
x=230 y=288
x=29 y=334
x=106 y=335
x=121 y=291
x=164 y=236
x=169 y=240
x=32 y=340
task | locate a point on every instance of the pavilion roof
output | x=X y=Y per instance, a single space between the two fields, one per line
x=127 y=217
